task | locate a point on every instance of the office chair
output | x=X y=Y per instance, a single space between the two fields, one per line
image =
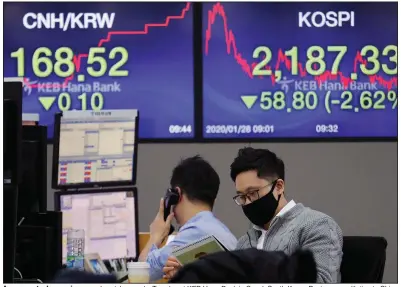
x=364 y=258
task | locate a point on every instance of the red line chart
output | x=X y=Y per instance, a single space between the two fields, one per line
x=218 y=10
x=78 y=58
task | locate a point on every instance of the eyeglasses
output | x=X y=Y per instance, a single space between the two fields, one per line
x=251 y=196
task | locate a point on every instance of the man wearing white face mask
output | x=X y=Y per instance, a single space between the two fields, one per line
x=279 y=224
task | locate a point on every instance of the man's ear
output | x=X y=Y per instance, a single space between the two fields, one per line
x=280 y=186
x=179 y=190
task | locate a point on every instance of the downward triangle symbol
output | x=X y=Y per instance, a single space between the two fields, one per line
x=249 y=101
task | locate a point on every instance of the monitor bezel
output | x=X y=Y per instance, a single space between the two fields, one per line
x=55 y=165
x=134 y=190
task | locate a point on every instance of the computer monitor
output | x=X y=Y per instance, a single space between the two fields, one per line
x=34 y=245
x=12 y=116
x=39 y=240
x=12 y=125
x=52 y=220
x=108 y=217
x=10 y=193
x=30 y=119
x=32 y=192
x=93 y=149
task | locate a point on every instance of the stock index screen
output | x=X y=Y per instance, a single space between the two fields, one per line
x=300 y=70
x=98 y=56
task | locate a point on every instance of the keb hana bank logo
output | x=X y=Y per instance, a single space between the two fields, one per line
x=287 y=85
x=55 y=87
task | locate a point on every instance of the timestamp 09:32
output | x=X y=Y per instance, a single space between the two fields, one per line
x=327 y=129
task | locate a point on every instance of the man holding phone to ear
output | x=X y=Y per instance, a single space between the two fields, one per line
x=197 y=185
x=279 y=224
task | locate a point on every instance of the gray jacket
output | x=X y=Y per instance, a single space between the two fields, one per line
x=304 y=228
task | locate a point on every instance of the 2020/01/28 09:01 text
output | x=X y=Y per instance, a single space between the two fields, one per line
x=239 y=129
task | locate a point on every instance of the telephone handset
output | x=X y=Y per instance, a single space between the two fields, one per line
x=171 y=198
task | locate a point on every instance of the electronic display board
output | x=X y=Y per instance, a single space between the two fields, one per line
x=306 y=70
x=105 y=55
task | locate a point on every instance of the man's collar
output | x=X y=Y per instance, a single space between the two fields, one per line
x=202 y=215
x=286 y=208
x=283 y=211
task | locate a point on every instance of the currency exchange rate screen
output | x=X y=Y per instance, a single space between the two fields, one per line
x=95 y=56
x=300 y=70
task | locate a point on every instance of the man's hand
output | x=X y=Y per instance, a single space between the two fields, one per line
x=159 y=228
x=171 y=268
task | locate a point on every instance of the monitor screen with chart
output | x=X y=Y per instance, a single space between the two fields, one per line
x=102 y=56
x=309 y=70
x=108 y=218
x=95 y=148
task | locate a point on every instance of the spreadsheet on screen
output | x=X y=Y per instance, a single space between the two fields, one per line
x=108 y=220
x=96 y=150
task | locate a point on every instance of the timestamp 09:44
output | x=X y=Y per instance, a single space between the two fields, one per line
x=239 y=129
x=180 y=129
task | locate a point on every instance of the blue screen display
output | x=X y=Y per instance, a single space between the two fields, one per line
x=300 y=70
x=95 y=56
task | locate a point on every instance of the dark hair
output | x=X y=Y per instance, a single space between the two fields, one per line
x=197 y=179
x=263 y=161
